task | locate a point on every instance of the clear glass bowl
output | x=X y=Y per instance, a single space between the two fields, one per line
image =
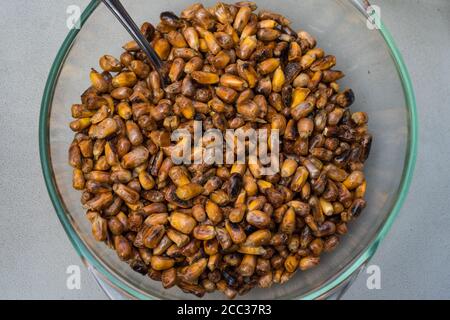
x=374 y=69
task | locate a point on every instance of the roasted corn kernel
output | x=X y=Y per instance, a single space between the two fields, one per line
x=202 y=226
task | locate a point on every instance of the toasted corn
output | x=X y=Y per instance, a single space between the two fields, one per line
x=110 y=64
x=205 y=77
x=213 y=212
x=124 y=79
x=258 y=219
x=250 y=29
x=258 y=238
x=162 y=48
x=248 y=73
x=246 y=47
x=80 y=124
x=221 y=60
x=141 y=69
x=134 y=133
x=147 y=182
x=178 y=238
x=287 y=225
x=223 y=237
x=189 y=191
x=266 y=34
x=204 y=226
x=123 y=247
x=182 y=222
x=156 y=218
x=204 y=232
x=268 y=66
x=211 y=42
x=299 y=179
x=257 y=251
x=335 y=173
x=193 y=272
x=248 y=109
x=288 y=168
x=135 y=157
x=308 y=263
x=153 y=236
x=179 y=176
x=242 y=18
x=127 y=194
x=161 y=263
x=305 y=127
x=325 y=63
x=226 y=94
x=236 y=232
x=299 y=95
x=224 y=40
x=278 y=80
x=247 y=266
x=233 y=82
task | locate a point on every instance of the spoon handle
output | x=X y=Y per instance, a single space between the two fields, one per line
x=122 y=15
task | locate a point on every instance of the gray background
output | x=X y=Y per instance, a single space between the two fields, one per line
x=414 y=258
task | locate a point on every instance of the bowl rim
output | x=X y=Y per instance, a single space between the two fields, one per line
x=330 y=284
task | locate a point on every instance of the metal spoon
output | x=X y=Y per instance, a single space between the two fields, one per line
x=122 y=15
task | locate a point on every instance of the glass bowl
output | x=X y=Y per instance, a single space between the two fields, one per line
x=374 y=70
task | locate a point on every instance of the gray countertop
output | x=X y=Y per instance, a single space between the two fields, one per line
x=414 y=258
